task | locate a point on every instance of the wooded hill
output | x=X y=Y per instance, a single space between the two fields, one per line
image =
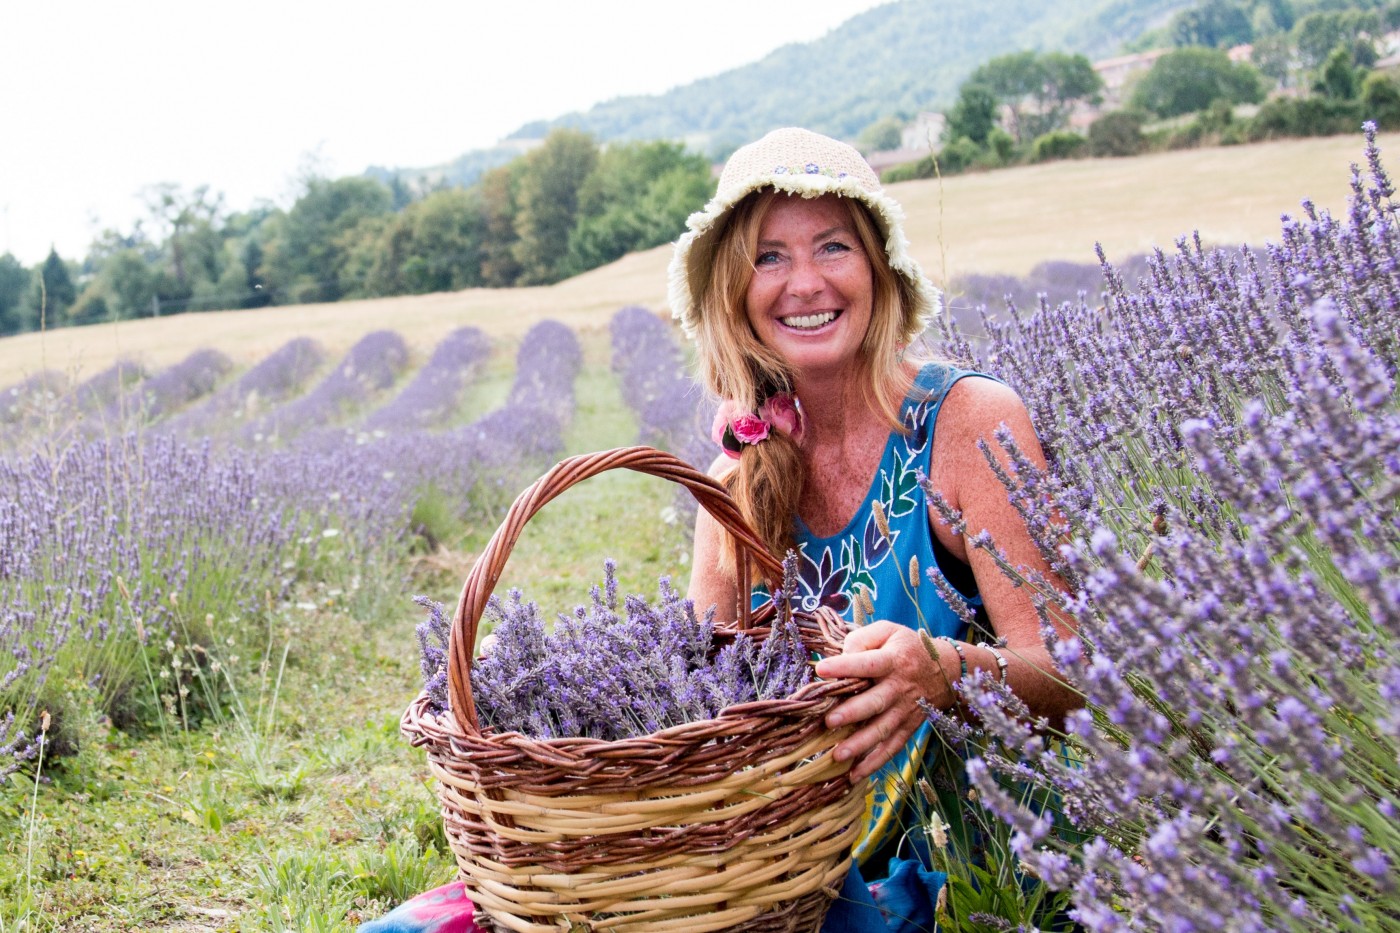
x=899 y=58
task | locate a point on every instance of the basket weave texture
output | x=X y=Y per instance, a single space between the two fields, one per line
x=741 y=822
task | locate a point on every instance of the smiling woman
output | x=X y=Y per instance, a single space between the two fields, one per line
x=796 y=284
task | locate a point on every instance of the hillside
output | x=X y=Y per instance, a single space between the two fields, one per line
x=1006 y=221
x=898 y=58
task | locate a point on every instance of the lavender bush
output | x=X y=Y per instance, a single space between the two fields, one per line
x=278 y=377
x=672 y=410
x=166 y=391
x=1223 y=442
x=371 y=366
x=103 y=547
x=24 y=400
x=435 y=392
x=609 y=675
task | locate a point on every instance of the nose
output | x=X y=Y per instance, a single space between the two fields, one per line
x=806 y=279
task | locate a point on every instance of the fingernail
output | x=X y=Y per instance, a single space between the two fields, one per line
x=842 y=754
x=834 y=721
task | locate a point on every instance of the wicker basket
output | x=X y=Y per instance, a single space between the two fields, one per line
x=742 y=822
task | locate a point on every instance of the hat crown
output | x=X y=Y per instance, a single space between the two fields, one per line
x=795 y=152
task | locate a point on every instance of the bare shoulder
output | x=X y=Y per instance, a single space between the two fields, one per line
x=974 y=409
x=975 y=406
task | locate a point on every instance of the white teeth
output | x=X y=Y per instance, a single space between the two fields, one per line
x=810 y=320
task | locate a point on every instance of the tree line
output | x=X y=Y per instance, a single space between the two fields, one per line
x=567 y=206
x=1309 y=70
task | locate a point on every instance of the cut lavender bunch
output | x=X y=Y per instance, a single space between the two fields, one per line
x=613 y=672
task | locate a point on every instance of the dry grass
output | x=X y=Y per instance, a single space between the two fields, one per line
x=1006 y=221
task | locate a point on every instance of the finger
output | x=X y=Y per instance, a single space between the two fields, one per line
x=863 y=706
x=880 y=737
x=885 y=748
x=868 y=636
x=871 y=664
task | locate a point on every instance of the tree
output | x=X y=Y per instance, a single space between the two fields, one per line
x=973 y=116
x=1214 y=24
x=1317 y=34
x=14 y=286
x=885 y=133
x=499 y=267
x=1338 y=79
x=54 y=290
x=1190 y=79
x=131 y=284
x=181 y=213
x=547 y=189
x=638 y=196
x=1039 y=90
x=308 y=247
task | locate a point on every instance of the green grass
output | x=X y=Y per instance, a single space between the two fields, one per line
x=295 y=804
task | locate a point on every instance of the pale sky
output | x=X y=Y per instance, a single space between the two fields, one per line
x=103 y=99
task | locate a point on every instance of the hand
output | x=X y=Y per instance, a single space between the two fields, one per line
x=894 y=657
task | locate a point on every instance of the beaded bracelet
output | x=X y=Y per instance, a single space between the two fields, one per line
x=962 y=657
x=1001 y=660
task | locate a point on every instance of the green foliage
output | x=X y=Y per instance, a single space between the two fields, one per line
x=1039 y=89
x=499 y=266
x=548 y=182
x=1117 y=133
x=307 y=250
x=1214 y=24
x=434 y=245
x=638 y=196
x=1058 y=144
x=885 y=133
x=1380 y=101
x=1190 y=79
x=54 y=289
x=974 y=116
x=1304 y=116
x=1317 y=34
x=1339 y=79
x=14 y=296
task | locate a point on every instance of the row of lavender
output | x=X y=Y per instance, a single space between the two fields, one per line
x=111 y=547
x=1225 y=442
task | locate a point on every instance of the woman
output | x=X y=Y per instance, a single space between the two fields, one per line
x=797 y=287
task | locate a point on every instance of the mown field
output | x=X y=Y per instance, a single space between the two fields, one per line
x=212 y=527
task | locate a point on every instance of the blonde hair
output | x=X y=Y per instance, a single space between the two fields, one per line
x=734 y=364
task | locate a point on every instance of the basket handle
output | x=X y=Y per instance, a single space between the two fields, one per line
x=481 y=582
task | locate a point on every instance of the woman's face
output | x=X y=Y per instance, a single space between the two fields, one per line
x=812 y=290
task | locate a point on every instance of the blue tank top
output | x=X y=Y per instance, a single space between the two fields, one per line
x=833 y=569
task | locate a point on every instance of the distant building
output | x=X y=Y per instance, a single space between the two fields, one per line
x=925 y=133
x=922 y=136
x=1117 y=73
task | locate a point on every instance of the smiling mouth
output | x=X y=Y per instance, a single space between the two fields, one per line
x=810 y=321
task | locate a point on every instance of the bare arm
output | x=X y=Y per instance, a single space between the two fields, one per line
x=893 y=656
x=710 y=583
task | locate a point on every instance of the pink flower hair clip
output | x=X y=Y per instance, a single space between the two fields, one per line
x=735 y=426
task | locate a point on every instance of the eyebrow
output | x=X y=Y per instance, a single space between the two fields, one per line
x=839 y=228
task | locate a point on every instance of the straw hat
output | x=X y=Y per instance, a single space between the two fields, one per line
x=800 y=162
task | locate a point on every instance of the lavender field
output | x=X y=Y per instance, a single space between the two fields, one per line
x=207 y=620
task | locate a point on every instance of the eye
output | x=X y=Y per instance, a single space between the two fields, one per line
x=833 y=248
x=769 y=258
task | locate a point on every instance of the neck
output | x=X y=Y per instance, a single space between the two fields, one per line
x=833 y=402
